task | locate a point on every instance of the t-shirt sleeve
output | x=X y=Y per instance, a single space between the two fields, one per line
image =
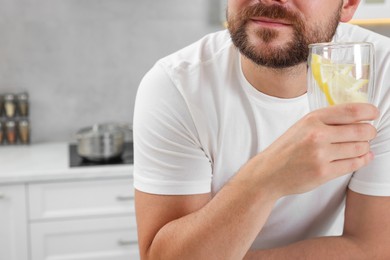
x=168 y=156
x=374 y=179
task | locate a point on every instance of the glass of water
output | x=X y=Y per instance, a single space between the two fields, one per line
x=340 y=73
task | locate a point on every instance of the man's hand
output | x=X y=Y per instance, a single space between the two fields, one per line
x=325 y=144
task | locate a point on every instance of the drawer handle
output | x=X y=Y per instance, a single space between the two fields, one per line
x=124 y=198
x=123 y=242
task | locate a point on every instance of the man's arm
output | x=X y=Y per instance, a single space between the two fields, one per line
x=322 y=146
x=200 y=227
x=366 y=235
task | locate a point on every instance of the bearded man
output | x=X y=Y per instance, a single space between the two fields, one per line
x=230 y=163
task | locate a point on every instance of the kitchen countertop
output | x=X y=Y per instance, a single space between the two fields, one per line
x=42 y=162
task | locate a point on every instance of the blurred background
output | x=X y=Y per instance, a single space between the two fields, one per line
x=81 y=60
x=78 y=63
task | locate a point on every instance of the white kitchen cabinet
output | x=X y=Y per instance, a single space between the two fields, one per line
x=83 y=220
x=58 y=200
x=86 y=239
x=51 y=211
x=13 y=223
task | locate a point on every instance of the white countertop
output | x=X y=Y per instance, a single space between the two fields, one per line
x=47 y=162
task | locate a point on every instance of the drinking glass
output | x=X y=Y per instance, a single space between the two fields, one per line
x=340 y=73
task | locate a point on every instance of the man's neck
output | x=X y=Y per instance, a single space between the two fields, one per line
x=281 y=83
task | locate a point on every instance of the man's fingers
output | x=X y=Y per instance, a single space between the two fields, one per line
x=351 y=133
x=342 y=151
x=342 y=167
x=348 y=113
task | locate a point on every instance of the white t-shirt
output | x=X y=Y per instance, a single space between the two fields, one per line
x=197 y=121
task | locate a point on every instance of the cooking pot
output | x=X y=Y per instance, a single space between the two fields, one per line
x=102 y=142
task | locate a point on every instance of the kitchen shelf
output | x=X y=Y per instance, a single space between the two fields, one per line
x=371 y=22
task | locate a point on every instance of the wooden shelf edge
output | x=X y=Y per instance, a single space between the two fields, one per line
x=372 y=22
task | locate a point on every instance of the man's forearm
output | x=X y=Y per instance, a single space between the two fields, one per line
x=324 y=248
x=222 y=229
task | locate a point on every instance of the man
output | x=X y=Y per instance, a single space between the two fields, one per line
x=231 y=164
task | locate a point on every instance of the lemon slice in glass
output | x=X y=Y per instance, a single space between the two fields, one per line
x=322 y=72
x=345 y=88
x=337 y=82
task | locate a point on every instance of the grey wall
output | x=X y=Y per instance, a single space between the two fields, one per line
x=382 y=29
x=82 y=60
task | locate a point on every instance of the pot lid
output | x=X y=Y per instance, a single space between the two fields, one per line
x=99 y=130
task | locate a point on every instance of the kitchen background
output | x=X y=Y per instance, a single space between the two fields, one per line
x=81 y=60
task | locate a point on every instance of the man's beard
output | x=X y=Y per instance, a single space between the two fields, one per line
x=291 y=53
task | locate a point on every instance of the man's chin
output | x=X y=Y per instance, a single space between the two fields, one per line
x=271 y=57
x=268 y=50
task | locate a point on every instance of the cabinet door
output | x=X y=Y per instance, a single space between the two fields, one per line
x=92 y=198
x=87 y=239
x=13 y=223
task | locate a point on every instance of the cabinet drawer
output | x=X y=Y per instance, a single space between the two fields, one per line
x=87 y=239
x=13 y=223
x=81 y=199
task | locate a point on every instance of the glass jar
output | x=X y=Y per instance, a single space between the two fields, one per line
x=1 y=105
x=1 y=133
x=10 y=130
x=24 y=131
x=9 y=105
x=22 y=103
